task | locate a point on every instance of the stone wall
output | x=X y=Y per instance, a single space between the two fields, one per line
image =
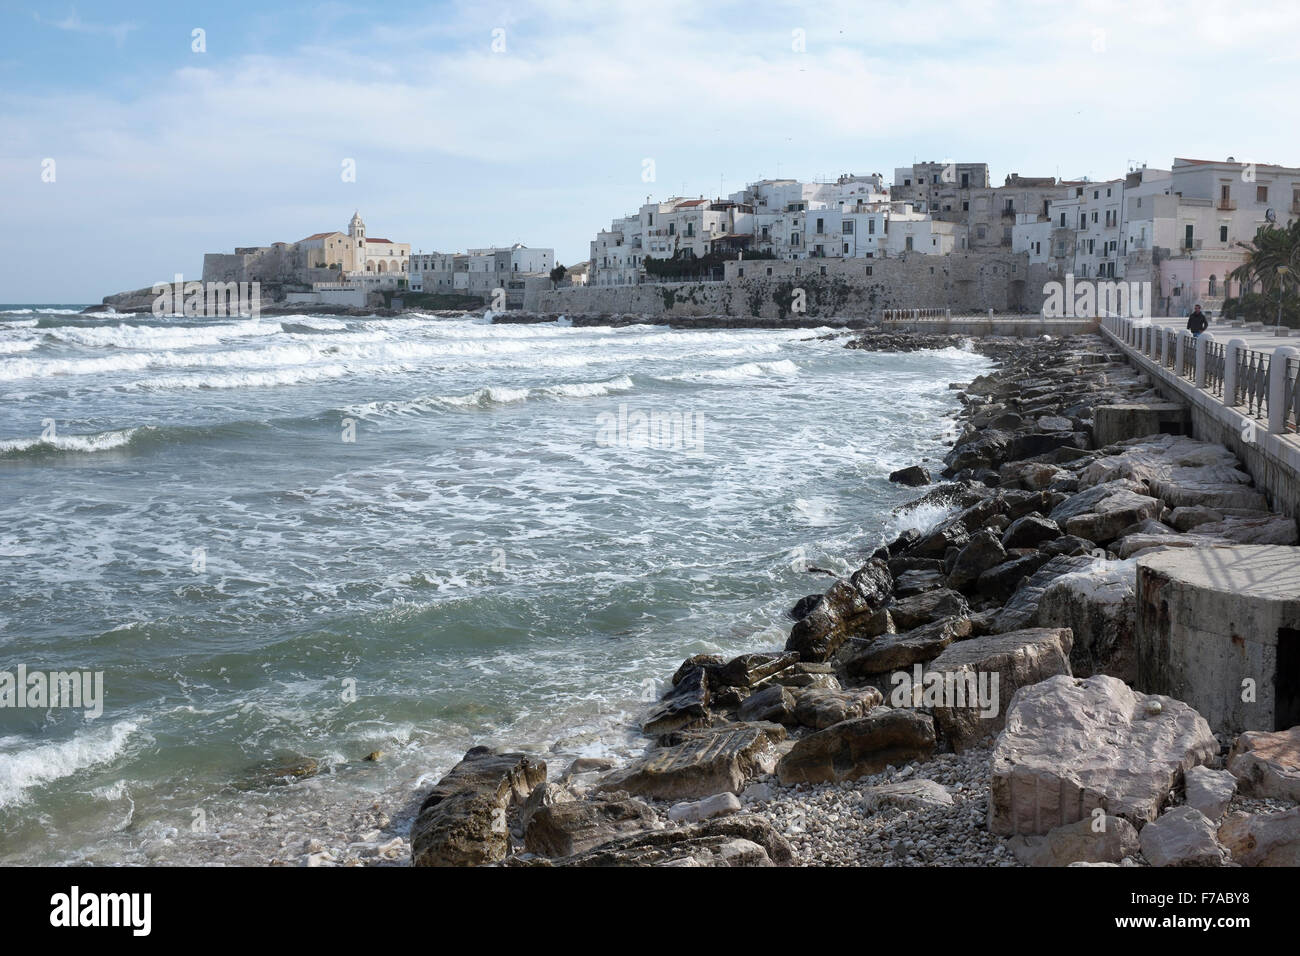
x=769 y=288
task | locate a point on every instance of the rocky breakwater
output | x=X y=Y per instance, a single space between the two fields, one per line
x=963 y=697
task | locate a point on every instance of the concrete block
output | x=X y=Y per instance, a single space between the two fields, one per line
x=1219 y=628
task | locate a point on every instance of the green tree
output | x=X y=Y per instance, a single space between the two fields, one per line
x=557 y=274
x=1272 y=263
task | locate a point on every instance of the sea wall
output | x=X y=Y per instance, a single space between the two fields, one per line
x=769 y=288
x=1272 y=459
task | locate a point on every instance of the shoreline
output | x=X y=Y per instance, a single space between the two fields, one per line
x=789 y=756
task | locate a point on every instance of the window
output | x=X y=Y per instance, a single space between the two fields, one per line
x=846 y=248
x=1225 y=193
x=965 y=180
x=907 y=182
x=1083 y=220
x=769 y=270
x=821 y=226
x=980 y=232
x=823 y=270
x=1214 y=286
x=1223 y=233
x=740 y=273
x=965 y=206
x=1094 y=215
x=871 y=227
x=846 y=227
x=1187 y=235
x=1062 y=220
x=868 y=270
x=908 y=244
x=1096 y=194
x=1261 y=194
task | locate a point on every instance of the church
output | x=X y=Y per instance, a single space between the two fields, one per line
x=355 y=252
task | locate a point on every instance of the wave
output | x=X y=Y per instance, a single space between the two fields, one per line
x=85 y=444
x=33 y=767
x=490 y=396
x=748 y=370
x=158 y=337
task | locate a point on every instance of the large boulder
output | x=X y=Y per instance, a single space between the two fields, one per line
x=462 y=822
x=892 y=651
x=1098 y=605
x=750 y=669
x=918 y=609
x=1030 y=531
x=1180 y=470
x=1267 y=763
x=1021 y=609
x=848 y=608
x=819 y=708
x=774 y=703
x=1252 y=529
x=856 y=748
x=736 y=840
x=701 y=764
x=981 y=675
x=1112 y=514
x=1002 y=580
x=912 y=476
x=1097 y=838
x=687 y=703
x=566 y=827
x=1182 y=836
x=983 y=551
x=1210 y=791
x=1263 y=839
x=1073 y=745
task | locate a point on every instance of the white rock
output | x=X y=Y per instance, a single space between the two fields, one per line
x=1073 y=745
x=1182 y=836
x=717 y=805
x=1210 y=791
x=907 y=795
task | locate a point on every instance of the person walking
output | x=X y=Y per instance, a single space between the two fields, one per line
x=1197 y=322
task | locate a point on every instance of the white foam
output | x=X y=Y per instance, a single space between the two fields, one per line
x=32 y=767
x=85 y=443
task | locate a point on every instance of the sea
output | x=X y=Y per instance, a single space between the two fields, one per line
x=287 y=544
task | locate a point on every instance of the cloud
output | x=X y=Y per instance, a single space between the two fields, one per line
x=75 y=24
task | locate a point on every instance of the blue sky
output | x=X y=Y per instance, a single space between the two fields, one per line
x=162 y=153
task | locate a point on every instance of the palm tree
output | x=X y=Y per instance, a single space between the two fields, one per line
x=1270 y=257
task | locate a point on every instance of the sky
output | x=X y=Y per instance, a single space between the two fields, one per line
x=128 y=148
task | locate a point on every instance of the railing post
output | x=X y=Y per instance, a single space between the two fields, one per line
x=1230 y=370
x=1277 y=382
x=1179 y=351
x=1203 y=342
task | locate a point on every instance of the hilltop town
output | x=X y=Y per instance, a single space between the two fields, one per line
x=939 y=237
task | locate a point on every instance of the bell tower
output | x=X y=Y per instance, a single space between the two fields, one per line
x=357 y=233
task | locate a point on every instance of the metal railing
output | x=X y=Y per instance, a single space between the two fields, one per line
x=1252 y=381
x=1216 y=357
x=1292 y=394
x=1188 y=370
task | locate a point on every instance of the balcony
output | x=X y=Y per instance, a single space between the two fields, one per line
x=1227 y=205
x=1009 y=212
x=1191 y=245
